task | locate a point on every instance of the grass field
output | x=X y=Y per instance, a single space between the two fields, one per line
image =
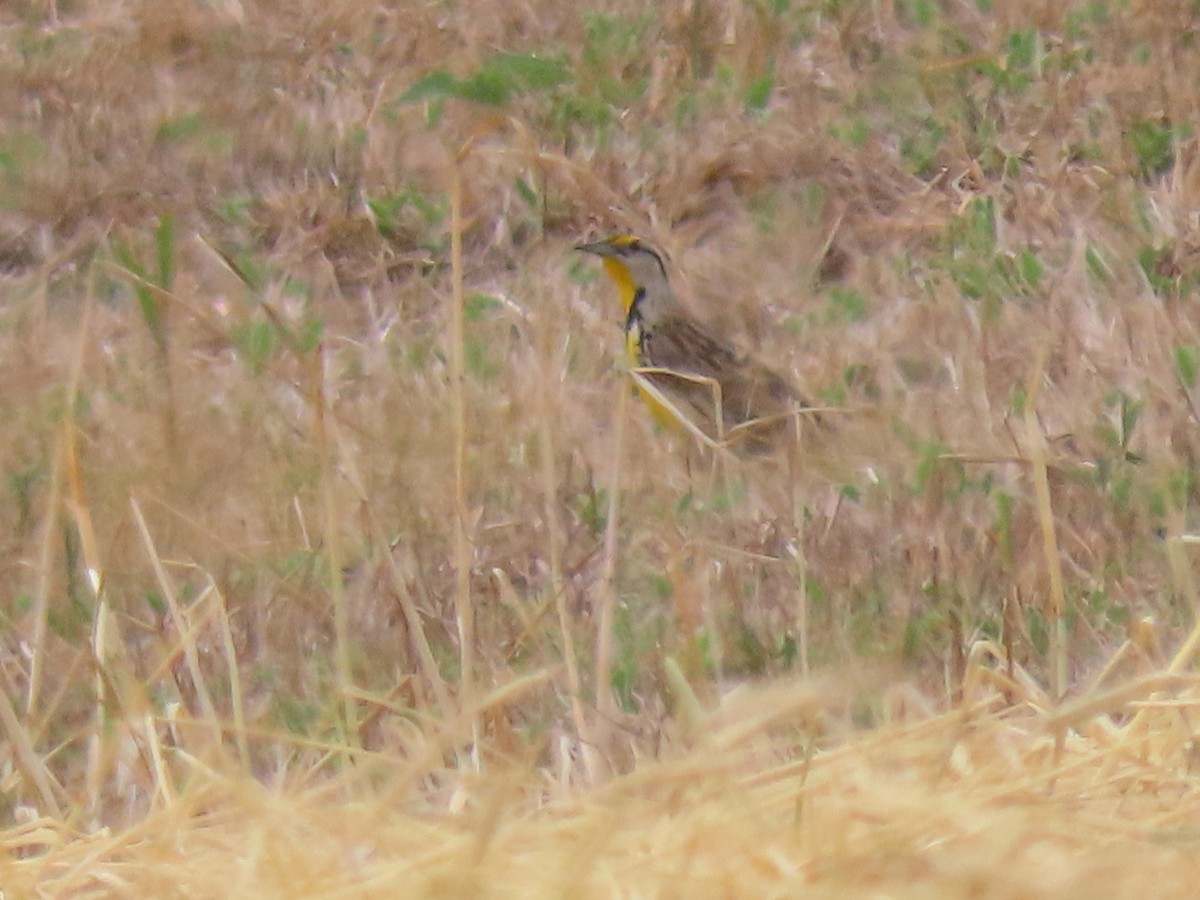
x=338 y=559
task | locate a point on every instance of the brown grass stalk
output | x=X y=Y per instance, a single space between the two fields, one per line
x=182 y=622
x=237 y=705
x=464 y=612
x=431 y=676
x=31 y=765
x=607 y=596
x=1056 y=607
x=322 y=424
x=550 y=504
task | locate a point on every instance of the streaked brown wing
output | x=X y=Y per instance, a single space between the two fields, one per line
x=749 y=390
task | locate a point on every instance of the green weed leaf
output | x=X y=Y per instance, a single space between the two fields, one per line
x=502 y=77
x=1153 y=143
x=1185 y=365
x=758 y=93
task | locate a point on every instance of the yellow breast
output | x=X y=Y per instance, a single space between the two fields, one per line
x=627 y=288
x=663 y=414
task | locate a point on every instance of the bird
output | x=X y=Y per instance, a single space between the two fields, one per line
x=690 y=377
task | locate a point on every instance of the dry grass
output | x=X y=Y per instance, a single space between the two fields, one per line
x=975 y=804
x=337 y=559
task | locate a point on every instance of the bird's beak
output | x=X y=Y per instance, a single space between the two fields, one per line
x=599 y=248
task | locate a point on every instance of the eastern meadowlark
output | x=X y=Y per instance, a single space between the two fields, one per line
x=688 y=376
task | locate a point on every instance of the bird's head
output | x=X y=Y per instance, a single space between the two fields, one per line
x=632 y=264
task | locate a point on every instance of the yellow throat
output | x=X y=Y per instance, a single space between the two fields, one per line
x=623 y=278
x=613 y=253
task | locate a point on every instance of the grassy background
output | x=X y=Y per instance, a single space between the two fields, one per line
x=320 y=473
